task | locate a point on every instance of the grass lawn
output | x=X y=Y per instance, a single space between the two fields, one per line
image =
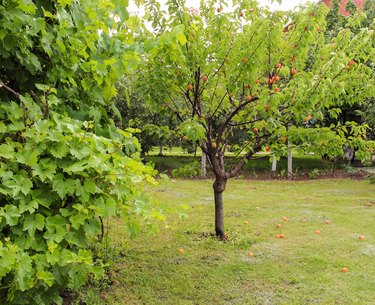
x=302 y=268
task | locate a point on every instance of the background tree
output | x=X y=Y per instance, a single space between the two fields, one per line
x=156 y=126
x=242 y=70
x=358 y=18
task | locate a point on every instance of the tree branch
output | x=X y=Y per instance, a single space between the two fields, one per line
x=236 y=169
x=232 y=114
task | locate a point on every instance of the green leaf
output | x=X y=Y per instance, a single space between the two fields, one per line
x=92 y=226
x=11 y=214
x=59 y=150
x=76 y=237
x=33 y=222
x=110 y=207
x=76 y=167
x=13 y=110
x=6 y=151
x=7 y=259
x=44 y=169
x=77 y=278
x=181 y=39
x=46 y=277
x=90 y=187
x=80 y=151
x=63 y=187
x=55 y=228
x=19 y=184
x=109 y=92
x=24 y=273
x=78 y=220
x=27 y=157
x=3 y=128
x=28 y=8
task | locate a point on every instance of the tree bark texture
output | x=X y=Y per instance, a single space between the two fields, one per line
x=160 y=149
x=219 y=187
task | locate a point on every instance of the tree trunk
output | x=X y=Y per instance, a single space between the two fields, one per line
x=219 y=187
x=160 y=149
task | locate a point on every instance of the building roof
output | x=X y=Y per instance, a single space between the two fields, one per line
x=360 y=4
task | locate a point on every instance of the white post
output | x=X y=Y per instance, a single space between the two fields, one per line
x=290 y=160
x=274 y=163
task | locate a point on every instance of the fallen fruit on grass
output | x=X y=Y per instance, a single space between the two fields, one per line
x=181 y=251
x=246 y=222
x=328 y=222
x=282 y=235
x=277 y=236
x=285 y=218
x=250 y=254
x=317 y=231
x=344 y=270
x=278 y=225
x=361 y=237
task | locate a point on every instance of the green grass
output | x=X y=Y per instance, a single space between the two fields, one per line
x=303 y=268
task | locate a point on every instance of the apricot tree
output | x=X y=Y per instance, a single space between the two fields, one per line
x=253 y=71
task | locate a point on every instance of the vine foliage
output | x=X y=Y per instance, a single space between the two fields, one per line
x=64 y=165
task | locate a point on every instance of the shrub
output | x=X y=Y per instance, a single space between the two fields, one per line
x=187 y=171
x=57 y=181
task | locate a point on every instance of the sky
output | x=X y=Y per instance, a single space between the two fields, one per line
x=285 y=5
